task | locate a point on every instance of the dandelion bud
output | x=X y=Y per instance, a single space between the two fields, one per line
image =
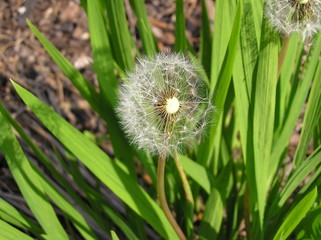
x=290 y=16
x=164 y=103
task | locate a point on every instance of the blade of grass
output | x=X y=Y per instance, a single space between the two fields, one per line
x=205 y=151
x=263 y=118
x=296 y=103
x=223 y=23
x=244 y=69
x=8 y=232
x=296 y=215
x=28 y=182
x=120 y=36
x=214 y=209
x=299 y=175
x=103 y=60
x=11 y=215
x=144 y=29
x=180 y=38
x=284 y=84
x=122 y=184
x=87 y=91
x=206 y=40
x=104 y=67
x=84 y=87
x=197 y=172
x=55 y=195
x=311 y=118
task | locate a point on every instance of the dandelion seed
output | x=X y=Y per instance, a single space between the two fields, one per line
x=294 y=16
x=164 y=104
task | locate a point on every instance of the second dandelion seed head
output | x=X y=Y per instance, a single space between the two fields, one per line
x=164 y=103
x=294 y=16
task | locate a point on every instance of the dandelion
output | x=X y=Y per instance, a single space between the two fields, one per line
x=164 y=104
x=294 y=16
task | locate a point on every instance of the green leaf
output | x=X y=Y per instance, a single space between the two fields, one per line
x=144 y=29
x=197 y=172
x=243 y=72
x=296 y=215
x=311 y=118
x=206 y=40
x=263 y=119
x=214 y=208
x=103 y=60
x=310 y=226
x=299 y=175
x=213 y=216
x=119 y=34
x=222 y=39
x=122 y=184
x=14 y=217
x=84 y=87
x=180 y=38
x=297 y=101
x=205 y=151
x=28 y=182
x=10 y=233
x=114 y=235
x=104 y=68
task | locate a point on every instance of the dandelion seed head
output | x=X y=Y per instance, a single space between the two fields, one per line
x=164 y=104
x=294 y=16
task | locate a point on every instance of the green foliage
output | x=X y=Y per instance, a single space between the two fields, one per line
x=238 y=173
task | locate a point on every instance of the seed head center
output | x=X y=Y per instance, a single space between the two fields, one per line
x=172 y=105
x=303 y=1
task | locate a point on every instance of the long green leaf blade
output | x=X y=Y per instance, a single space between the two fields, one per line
x=180 y=38
x=122 y=184
x=311 y=118
x=119 y=34
x=263 y=115
x=145 y=31
x=296 y=215
x=28 y=182
x=10 y=233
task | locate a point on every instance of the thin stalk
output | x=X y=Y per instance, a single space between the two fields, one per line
x=186 y=186
x=247 y=214
x=162 y=196
x=284 y=49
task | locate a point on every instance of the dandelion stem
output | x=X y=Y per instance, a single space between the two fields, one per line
x=284 y=49
x=186 y=187
x=162 y=196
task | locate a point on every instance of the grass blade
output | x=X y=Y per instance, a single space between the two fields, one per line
x=296 y=103
x=263 y=118
x=10 y=233
x=311 y=118
x=223 y=23
x=28 y=182
x=14 y=217
x=180 y=38
x=206 y=40
x=122 y=184
x=120 y=36
x=197 y=172
x=296 y=215
x=144 y=29
x=206 y=148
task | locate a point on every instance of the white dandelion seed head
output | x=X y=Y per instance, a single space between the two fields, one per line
x=294 y=16
x=164 y=104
